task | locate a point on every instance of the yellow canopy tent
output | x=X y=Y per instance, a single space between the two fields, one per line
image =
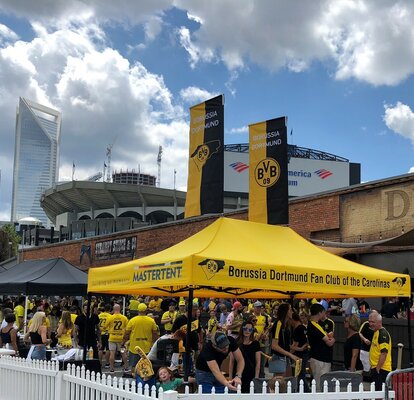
x=246 y=259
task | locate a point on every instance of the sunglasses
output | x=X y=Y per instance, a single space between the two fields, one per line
x=247 y=329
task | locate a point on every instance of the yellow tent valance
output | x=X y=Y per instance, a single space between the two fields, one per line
x=246 y=259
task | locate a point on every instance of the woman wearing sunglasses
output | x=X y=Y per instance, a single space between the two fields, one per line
x=250 y=349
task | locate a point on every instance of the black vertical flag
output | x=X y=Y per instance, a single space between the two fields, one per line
x=206 y=157
x=268 y=177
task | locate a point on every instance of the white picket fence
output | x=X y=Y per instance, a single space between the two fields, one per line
x=82 y=385
x=361 y=394
x=41 y=380
x=22 y=380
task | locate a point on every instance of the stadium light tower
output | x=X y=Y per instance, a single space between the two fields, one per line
x=108 y=159
x=159 y=165
x=108 y=162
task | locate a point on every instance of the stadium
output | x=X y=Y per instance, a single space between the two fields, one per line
x=86 y=208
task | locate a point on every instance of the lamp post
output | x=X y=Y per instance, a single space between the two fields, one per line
x=9 y=250
x=23 y=243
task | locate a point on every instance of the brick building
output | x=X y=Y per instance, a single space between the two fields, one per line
x=370 y=223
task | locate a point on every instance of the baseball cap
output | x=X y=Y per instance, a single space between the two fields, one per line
x=257 y=304
x=220 y=340
x=142 y=307
x=181 y=303
x=236 y=304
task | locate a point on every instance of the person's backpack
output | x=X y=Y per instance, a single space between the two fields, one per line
x=165 y=349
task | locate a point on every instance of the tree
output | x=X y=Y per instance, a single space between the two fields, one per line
x=9 y=242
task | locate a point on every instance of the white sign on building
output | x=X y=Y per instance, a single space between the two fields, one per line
x=306 y=176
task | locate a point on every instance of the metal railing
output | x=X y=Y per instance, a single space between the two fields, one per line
x=401 y=384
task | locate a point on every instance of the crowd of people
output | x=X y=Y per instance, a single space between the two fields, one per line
x=244 y=338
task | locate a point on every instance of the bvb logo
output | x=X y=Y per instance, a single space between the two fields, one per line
x=203 y=153
x=212 y=266
x=400 y=281
x=267 y=172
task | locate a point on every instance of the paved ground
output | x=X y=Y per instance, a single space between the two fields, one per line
x=119 y=370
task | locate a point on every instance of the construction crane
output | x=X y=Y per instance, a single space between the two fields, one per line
x=159 y=165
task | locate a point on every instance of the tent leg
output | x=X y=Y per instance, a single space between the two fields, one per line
x=187 y=337
x=87 y=321
x=26 y=297
x=410 y=342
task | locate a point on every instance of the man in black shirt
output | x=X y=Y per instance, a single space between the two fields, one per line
x=214 y=352
x=334 y=308
x=195 y=334
x=93 y=334
x=366 y=334
x=391 y=308
x=300 y=347
x=320 y=343
x=329 y=327
x=363 y=307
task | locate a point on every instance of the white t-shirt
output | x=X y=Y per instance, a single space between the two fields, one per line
x=152 y=355
x=349 y=305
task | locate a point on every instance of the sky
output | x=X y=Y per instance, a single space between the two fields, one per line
x=124 y=73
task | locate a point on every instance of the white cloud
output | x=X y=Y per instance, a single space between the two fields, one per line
x=195 y=53
x=103 y=99
x=5 y=215
x=367 y=40
x=400 y=119
x=195 y=95
x=58 y=13
x=230 y=82
x=194 y=18
x=152 y=28
x=370 y=41
x=240 y=130
x=233 y=60
x=138 y=47
x=7 y=35
x=261 y=32
x=79 y=173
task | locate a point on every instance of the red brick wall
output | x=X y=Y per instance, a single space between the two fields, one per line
x=314 y=215
x=70 y=251
x=149 y=240
x=305 y=217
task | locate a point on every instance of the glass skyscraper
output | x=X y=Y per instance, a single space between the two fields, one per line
x=36 y=158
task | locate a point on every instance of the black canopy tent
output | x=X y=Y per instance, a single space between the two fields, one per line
x=54 y=276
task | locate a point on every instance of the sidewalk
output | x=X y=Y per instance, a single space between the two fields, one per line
x=119 y=370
